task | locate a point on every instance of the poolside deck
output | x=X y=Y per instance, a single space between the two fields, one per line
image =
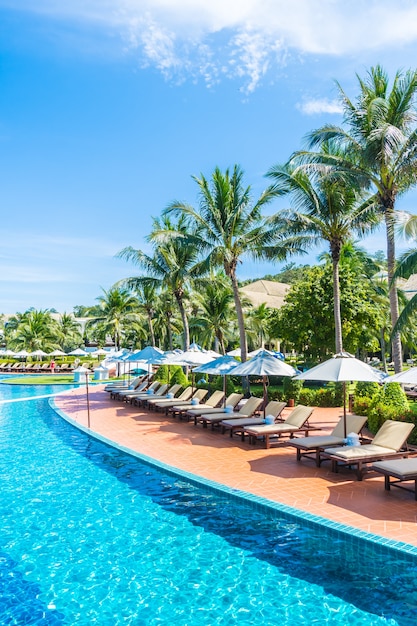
x=274 y=474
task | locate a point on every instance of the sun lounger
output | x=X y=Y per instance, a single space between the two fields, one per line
x=149 y=400
x=123 y=395
x=231 y=401
x=159 y=390
x=237 y=425
x=114 y=393
x=295 y=422
x=181 y=407
x=311 y=446
x=120 y=385
x=248 y=409
x=213 y=402
x=403 y=470
x=388 y=443
x=164 y=404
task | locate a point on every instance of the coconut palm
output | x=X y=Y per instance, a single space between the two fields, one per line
x=174 y=254
x=33 y=330
x=379 y=152
x=118 y=311
x=69 y=336
x=407 y=265
x=229 y=226
x=324 y=208
x=215 y=318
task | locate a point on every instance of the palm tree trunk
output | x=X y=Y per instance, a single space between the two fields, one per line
x=383 y=350
x=336 y=307
x=151 y=332
x=240 y=319
x=242 y=332
x=393 y=296
x=184 y=321
x=169 y=333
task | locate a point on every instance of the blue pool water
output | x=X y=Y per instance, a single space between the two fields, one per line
x=91 y=535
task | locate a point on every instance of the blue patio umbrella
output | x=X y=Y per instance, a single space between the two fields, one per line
x=219 y=367
x=146 y=356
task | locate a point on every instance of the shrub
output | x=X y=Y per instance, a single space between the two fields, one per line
x=292 y=389
x=161 y=374
x=390 y=402
x=361 y=405
x=275 y=394
x=178 y=377
x=366 y=390
x=308 y=397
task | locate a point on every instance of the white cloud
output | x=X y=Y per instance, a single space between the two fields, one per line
x=320 y=105
x=243 y=38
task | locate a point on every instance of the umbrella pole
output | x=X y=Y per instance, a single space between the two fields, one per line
x=344 y=409
x=265 y=393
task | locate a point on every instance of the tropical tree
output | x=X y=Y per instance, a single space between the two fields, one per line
x=324 y=207
x=118 y=312
x=378 y=150
x=306 y=322
x=215 y=318
x=407 y=265
x=174 y=254
x=167 y=323
x=229 y=226
x=69 y=332
x=33 y=330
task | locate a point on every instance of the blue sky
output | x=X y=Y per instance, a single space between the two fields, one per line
x=108 y=108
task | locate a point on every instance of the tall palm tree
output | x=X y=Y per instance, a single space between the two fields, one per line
x=146 y=295
x=379 y=151
x=69 y=332
x=119 y=310
x=174 y=254
x=215 y=317
x=229 y=226
x=327 y=208
x=407 y=265
x=33 y=330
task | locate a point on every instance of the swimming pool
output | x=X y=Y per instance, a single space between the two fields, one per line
x=91 y=535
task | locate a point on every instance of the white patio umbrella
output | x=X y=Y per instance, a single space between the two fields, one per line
x=264 y=364
x=408 y=377
x=38 y=353
x=343 y=368
x=236 y=352
x=57 y=353
x=22 y=354
x=78 y=352
x=99 y=352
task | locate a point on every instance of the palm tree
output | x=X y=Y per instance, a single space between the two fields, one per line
x=119 y=310
x=146 y=295
x=175 y=253
x=215 y=318
x=33 y=330
x=324 y=208
x=379 y=152
x=407 y=265
x=69 y=332
x=229 y=226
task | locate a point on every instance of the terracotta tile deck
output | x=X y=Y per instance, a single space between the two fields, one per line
x=273 y=474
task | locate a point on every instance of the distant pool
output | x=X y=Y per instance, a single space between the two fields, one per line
x=91 y=535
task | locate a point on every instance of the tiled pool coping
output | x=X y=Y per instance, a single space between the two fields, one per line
x=256 y=501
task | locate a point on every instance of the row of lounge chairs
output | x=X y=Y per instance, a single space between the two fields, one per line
x=36 y=367
x=387 y=453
